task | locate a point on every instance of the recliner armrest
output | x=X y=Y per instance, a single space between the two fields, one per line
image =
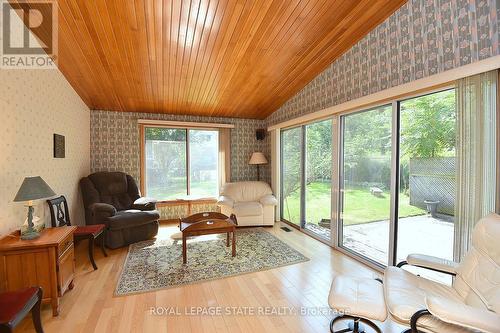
x=103 y=208
x=269 y=200
x=462 y=314
x=225 y=201
x=100 y=212
x=433 y=263
x=144 y=203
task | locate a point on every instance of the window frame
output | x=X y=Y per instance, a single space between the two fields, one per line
x=142 y=140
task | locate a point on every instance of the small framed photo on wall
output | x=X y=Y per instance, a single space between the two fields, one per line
x=59 y=146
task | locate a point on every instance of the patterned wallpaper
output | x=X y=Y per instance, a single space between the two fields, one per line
x=422 y=38
x=174 y=212
x=35 y=104
x=115 y=142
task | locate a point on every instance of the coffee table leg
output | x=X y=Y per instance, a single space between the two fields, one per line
x=184 y=249
x=227 y=240
x=234 y=243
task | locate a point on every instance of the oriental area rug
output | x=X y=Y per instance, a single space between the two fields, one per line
x=157 y=264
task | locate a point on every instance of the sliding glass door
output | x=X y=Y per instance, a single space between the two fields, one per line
x=291 y=175
x=397 y=178
x=306 y=177
x=318 y=178
x=427 y=169
x=365 y=196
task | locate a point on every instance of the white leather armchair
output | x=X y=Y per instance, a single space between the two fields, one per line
x=471 y=304
x=252 y=202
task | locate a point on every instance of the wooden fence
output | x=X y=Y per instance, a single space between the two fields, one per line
x=433 y=179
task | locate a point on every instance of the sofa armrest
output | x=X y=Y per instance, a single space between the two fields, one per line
x=268 y=200
x=433 y=263
x=462 y=314
x=144 y=203
x=99 y=211
x=225 y=201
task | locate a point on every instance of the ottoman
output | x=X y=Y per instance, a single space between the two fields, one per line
x=358 y=300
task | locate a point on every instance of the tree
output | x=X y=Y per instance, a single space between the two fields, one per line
x=367 y=147
x=319 y=151
x=291 y=141
x=428 y=125
x=428 y=129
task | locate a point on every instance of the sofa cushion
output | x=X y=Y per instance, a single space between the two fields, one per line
x=115 y=188
x=246 y=191
x=251 y=208
x=358 y=297
x=269 y=200
x=132 y=217
x=405 y=292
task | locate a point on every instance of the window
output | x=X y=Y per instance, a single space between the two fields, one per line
x=180 y=162
x=306 y=153
x=402 y=174
x=203 y=162
x=291 y=154
x=424 y=202
x=427 y=175
x=365 y=194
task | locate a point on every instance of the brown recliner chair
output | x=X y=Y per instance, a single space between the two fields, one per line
x=113 y=199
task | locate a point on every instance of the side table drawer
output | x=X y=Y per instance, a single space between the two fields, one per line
x=64 y=245
x=66 y=269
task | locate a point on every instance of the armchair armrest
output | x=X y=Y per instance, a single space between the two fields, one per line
x=225 y=201
x=269 y=200
x=99 y=211
x=462 y=314
x=432 y=263
x=144 y=203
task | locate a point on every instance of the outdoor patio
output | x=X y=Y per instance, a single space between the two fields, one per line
x=423 y=233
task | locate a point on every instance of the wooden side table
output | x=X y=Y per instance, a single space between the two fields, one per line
x=48 y=262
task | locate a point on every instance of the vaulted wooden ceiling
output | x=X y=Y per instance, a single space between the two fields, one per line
x=237 y=58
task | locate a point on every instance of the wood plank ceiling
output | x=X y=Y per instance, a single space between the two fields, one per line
x=236 y=58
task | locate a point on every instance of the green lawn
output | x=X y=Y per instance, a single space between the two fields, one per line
x=359 y=204
x=178 y=189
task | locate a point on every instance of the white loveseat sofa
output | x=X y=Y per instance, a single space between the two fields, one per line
x=252 y=202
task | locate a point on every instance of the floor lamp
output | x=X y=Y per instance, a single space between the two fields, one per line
x=257 y=159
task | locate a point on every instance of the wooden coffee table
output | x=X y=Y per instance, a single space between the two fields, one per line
x=206 y=224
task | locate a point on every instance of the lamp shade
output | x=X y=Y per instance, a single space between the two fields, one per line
x=258 y=158
x=33 y=188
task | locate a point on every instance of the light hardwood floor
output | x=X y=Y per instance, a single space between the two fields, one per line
x=91 y=306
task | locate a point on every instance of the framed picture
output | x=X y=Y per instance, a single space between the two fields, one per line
x=59 y=148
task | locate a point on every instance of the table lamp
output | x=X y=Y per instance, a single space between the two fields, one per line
x=32 y=188
x=258 y=158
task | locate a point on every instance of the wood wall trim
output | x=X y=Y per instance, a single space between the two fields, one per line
x=183 y=124
x=167 y=203
x=427 y=83
x=169 y=221
x=142 y=144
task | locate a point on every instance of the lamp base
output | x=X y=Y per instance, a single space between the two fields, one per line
x=30 y=235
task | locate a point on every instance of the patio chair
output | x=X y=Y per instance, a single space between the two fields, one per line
x=471 y=304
